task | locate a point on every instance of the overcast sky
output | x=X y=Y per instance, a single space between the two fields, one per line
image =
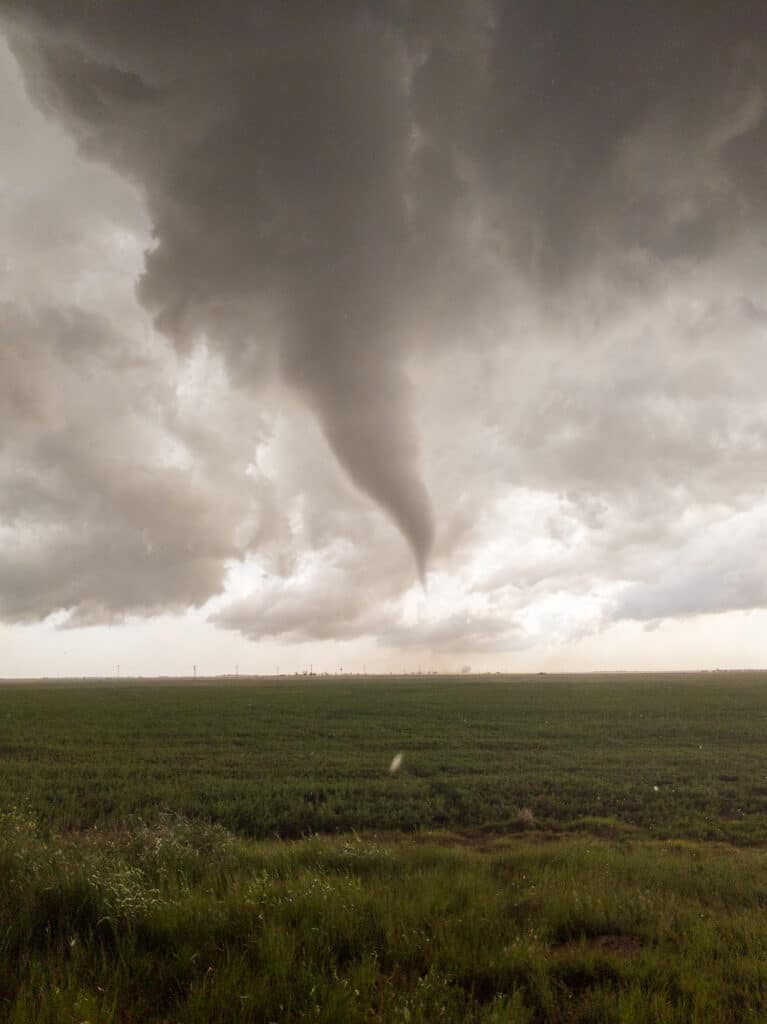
x=390 y=334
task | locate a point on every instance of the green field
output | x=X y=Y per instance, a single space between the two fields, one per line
x=552 y=849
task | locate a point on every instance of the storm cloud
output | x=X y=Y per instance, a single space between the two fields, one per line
x=509 y=255
x=276 y=198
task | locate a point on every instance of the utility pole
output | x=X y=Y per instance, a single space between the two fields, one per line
x=194 y=669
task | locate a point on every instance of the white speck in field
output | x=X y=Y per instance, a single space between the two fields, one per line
x=396 y=762
x=657 y=789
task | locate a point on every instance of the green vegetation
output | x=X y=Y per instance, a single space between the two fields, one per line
x=183 y=922
x=521 y=866
x=292 y=758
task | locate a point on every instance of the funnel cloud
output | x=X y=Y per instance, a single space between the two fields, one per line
x=270 y=142
x=276 y=277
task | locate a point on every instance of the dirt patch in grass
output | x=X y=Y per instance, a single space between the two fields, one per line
x=619 y=945
x=624 y=945
x=485 y=841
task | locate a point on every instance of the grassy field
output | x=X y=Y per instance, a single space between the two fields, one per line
x=659 y=756
x=552 y=850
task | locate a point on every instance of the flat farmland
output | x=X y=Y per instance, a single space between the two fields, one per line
x=552 y=850
x=662 y=756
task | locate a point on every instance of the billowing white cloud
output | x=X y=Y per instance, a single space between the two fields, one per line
x=720 y=568
x=113 y=498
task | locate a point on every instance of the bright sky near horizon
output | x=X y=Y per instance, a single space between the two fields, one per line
x=384 y=336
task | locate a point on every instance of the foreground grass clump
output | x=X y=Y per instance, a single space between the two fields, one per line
x=176 y=921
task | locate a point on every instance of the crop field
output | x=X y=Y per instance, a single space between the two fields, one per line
x=551 y=849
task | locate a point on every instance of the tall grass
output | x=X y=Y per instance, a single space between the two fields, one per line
x=174 y=921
